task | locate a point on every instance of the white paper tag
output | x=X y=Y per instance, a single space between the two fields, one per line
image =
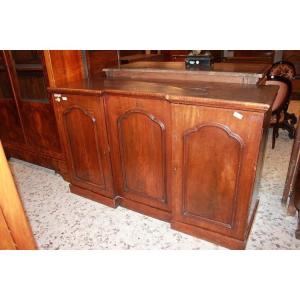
x=238 y=115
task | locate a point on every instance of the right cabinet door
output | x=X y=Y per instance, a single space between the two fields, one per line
x=214 y=155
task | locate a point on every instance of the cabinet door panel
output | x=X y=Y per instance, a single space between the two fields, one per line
x=215 y=158
x=83 y=143
x=212 y=155
x=10 y=124
x=142 y=149
x=41 y=128
x=139 y=134
x=82 y=126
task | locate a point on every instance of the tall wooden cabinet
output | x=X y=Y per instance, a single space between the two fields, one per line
x=28 y=126
x=10 y=125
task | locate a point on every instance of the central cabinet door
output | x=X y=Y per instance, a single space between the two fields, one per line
x=82 y=126
x=140 y=140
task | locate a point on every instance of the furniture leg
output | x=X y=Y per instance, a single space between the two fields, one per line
x=273 y=138
x=297 y=232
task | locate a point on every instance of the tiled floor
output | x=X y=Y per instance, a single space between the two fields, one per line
x=61 y=220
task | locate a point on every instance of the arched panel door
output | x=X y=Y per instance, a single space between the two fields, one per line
x=82 y=124
x=211 y=187
x=212 y=159
x=82 y=141
x=140 y=150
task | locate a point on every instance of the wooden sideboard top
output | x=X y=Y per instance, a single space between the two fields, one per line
x=228 y=95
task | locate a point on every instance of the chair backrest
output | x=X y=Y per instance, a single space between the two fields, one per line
x=283 y=69
x=283 y=95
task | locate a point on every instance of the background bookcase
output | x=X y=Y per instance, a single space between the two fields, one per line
x=28 y=127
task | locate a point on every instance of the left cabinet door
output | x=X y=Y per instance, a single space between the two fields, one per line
x=82 y=128
x=10 y=124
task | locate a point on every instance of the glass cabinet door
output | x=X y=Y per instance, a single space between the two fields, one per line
x=10 y=124
x=5 y=87
x=30 y=75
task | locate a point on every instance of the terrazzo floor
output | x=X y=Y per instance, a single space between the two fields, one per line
x=61 y=220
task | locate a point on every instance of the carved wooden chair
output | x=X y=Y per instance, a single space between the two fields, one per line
x=281 y=74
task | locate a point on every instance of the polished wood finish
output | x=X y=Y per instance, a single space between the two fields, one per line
x=176 y=71
x=64 y=66
x=215 y=94
x=40 y=142
x=140 y=141
x=293 y=56
x=252 y=56
x=213 y=159
x=28 y=126
x=185 y=152
x=114 y=202
x=131 y=52
x=11 y=128
x=40 y=128
x=81 y=120
x=15 y=231
x=97 y=60
x=142 y=57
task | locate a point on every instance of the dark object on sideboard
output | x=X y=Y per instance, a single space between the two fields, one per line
x=200 y=62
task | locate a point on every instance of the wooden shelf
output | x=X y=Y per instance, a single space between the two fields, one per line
x=29 y=67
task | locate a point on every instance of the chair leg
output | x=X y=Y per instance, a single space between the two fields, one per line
x=291 y=117
x=297 y=231
x=290 y=128
x=274 y=137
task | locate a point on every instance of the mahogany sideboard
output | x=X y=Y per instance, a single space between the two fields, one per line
x=186 y=152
